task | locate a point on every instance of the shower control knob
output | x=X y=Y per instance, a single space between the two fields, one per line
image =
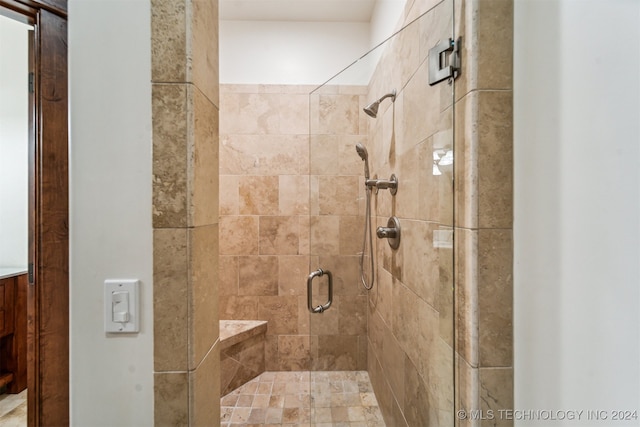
x=391 y=232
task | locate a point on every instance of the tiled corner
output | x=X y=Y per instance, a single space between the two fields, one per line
x=495 y=298
x=171 y=406
x=466 y=300
x=495 y=159
x=204 y=388
x=170 y=289
x=168 y=41
x=170 y=126
x=203 y=292
x=486 y=28
x=496 y=394
x=203 y=165
x=204 y=48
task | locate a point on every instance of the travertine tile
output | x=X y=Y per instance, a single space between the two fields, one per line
x=393 y=360
x=293 y=195
x=229 y=194
x=170 y=142
x=168 y=41
x=325 y=235
x=204 y=385
x=239 y=307
x=203 y=168
x=258 y=275
x=337 y=114
x=466 y=300
x=171 y=398
x=324 y=150
x=239 y=235
x=338 y=195
x=346 y=276
x=496 y=394
x=250 y=113
x=292 y=274
x=466 y=162
x=294 y=352
x=279 y=235
x=228 y=279
x=352 y=318
x=203 y=292
x=418 y=408
x=349 y=162
x=263 y=154
x=351 y=234
x=258 y=195
x=325 y=323
x=293 y=114
x=204 y=48
x=495 y=159
x=487 y=30
x=495 y=298
x=380 y=297
x=336 y=352
x=415 y=326
x=170 y=299
x=242 y=362
x=420 y=259
x=281 y=312
x=467 y=391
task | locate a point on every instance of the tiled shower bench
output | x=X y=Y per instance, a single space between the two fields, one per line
x=241 y=352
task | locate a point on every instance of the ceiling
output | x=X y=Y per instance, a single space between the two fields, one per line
x=297 y=10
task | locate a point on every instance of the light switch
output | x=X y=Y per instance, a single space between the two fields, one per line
x=121 y=310
x=120 y=306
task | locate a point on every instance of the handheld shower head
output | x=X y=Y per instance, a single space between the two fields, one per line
x=372 y=109
x=364 y=155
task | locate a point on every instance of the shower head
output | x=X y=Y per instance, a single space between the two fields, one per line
x=372 y=109
x=362 y=152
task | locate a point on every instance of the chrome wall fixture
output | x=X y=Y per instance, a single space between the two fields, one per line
x=391 y=232
x=372 y=109
x=319 y=273
x=383 y=184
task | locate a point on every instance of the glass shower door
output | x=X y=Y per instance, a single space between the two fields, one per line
x=382 y=351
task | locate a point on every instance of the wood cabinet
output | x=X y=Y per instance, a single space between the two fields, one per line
x=13 y=333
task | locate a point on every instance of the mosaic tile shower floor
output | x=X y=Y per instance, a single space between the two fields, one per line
x=339 y=399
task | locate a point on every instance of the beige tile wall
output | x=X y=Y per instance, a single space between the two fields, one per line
x=484 y=209
x=278 y=212
x=185 y=211
x=411 y=308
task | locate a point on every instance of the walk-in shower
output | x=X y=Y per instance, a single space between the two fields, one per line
x=347 y=313
x=393 y=305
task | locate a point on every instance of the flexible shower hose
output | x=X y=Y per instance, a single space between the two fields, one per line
x=367 y=232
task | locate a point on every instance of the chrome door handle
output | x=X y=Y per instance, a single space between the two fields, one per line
x=318 y=273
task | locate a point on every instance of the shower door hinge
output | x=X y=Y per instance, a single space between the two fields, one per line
x=444 y=61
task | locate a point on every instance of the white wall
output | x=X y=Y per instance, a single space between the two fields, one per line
x=14 y=144
x=267 y=52
x=110 y=219
x=577 y=207
x=386 y=19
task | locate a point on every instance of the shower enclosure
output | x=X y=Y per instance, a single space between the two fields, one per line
x=399 y=333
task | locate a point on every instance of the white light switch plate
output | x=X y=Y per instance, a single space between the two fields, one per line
x=114 y=290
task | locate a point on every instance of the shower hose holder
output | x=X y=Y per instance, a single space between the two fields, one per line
x=383 y=184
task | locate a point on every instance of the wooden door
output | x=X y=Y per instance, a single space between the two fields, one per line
x=48 y=295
